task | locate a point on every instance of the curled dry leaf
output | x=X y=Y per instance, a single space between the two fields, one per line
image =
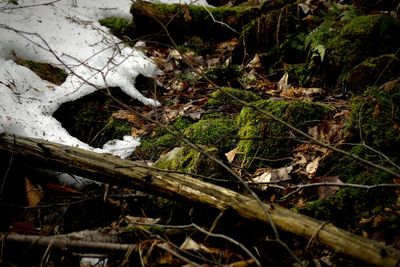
x=312 y=167
x=328 y=131
x=230 y=156
x=283 y=82
x=273 y=175
x=255 y=62
x=190 y=244
x=33 y=193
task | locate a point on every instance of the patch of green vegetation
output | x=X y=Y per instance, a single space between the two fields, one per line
x=188 y=160
x=349 y=205
x=118 y=26
x=45 y=71
x=261 y=137
x=152 y=145
x=192 y=20
x=300 y=74
x=220 y=97
x=224 y=75
x=260 y=34
x=375 y=118
x=362 y=37
x=372 y=71
x=114 y=129
x=189 y=76
x=218 y=132
x=90 y=118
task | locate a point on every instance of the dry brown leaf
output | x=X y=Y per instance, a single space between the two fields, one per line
x=228 y=45
x=272 y=175
x=128 y=116
x=377 y=111
x=190 y=244
x=137 y=132
x=230 y=156
x=312 y=167
x=325 y=191
x=33 y=193
x=283 y=82
x=255 y=62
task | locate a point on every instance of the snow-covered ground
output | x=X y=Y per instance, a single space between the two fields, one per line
x=66 y=34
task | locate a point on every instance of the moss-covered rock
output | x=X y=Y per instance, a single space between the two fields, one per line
x=159 y=141
x=373 y=71
x=218 y=132
x=375 y=118
x=362 y=37
x=189 y=160
x=220 y=97
x=225 y=75
x=118 y=26
x=349 y=205
x=45 y=71
x=261 y=137
x=372 y=126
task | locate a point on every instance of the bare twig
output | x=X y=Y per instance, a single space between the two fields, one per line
x=220 y=22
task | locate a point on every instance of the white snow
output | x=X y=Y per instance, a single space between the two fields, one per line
x=66 y=34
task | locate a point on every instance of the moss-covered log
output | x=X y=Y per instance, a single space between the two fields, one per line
x=208 y=23
x=130 y=174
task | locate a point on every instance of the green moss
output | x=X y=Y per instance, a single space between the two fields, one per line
x=115 y=129
x=376 y=116
x=372 y=71
x=189 y=160
x=349 y=205
x=219 y=132
x=260 y=34
x=360 y=38
x=118 y=26
x=45 y=71
x=190 y=20
x=263 y=138
x=373 y=119
x=224 y=75
x=220 y=97
x=300 y=74
x=152 y=145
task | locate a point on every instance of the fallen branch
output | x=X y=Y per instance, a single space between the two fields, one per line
x=130 y=174
x=65 y=242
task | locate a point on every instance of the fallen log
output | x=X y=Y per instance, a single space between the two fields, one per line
x=109 y=169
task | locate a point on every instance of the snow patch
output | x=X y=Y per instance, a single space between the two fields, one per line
x=67 y=35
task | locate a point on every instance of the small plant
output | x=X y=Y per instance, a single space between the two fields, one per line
x=316 y=39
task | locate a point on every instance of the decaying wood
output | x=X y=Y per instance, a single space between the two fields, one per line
x=130 y=174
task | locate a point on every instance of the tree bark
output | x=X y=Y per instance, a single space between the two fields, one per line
x=109 y=169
